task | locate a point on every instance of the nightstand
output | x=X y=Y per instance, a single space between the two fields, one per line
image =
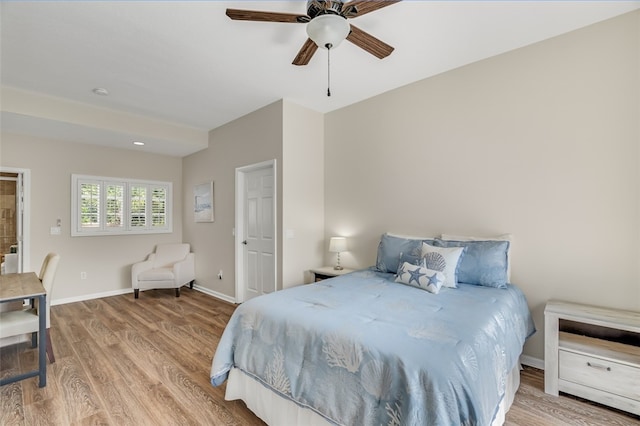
x=594 y=353
x=328 y=272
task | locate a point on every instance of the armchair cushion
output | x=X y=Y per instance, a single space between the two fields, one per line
x=18 y=322
x=156 y=274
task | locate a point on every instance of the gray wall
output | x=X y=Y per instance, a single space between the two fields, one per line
x=542 y=142
x=292 y=135
x=251 y=139
x=107 y=259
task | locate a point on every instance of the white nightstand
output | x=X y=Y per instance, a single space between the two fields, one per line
x=326 y=272
x=594 y=353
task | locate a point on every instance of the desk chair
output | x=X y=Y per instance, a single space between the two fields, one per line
x=25 y=320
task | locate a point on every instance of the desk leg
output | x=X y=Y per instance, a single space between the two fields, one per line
x=42 y=340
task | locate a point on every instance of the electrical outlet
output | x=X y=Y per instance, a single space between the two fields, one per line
x=83 y=275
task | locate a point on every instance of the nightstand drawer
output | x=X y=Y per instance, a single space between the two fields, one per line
x=327 y=272
x=600 y=374
x=322 y=277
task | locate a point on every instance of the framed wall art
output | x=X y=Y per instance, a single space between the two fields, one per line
x=203 y=202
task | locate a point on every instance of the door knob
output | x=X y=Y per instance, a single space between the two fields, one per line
x=244 y=242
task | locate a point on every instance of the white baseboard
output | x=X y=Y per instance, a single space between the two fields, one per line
x=532 y=362
x=215 y=294
x=92 y=296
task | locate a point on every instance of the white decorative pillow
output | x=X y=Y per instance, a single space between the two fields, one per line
x=443 y=259
x=418 y=276
x=503 y=237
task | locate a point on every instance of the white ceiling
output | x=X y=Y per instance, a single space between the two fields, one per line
x=187 y=63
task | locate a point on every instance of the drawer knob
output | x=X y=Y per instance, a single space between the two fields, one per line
x=599 y=367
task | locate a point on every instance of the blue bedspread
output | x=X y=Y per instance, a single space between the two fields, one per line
x=361 y=349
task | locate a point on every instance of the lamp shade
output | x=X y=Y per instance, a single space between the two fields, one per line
x=337 y=244
x=328 y=30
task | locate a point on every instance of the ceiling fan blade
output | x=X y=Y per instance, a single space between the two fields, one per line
x=369 y=43
x=306 y=52
x=256 y=15
x=356 y=8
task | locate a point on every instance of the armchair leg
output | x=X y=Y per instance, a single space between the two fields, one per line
x=136 y=293
x=191 y=284
x=177 y=291
x=52 y=358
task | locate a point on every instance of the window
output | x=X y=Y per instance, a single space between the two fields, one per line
x=111 y=206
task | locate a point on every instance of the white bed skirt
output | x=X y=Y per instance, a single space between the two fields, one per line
x=276 y=410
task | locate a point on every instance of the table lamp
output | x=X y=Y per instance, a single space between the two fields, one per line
x=337 y=245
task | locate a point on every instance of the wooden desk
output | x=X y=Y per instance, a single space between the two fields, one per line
x=28 y=286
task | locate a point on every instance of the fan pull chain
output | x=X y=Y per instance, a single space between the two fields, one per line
x=329 y=46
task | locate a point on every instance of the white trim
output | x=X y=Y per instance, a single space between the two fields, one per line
x=239 y=227
x=532 y=362
x=215 y=294
x=92 y=296
x=127 y=228
x=240 y=183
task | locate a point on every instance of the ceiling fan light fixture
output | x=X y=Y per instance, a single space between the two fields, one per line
x=328 y=30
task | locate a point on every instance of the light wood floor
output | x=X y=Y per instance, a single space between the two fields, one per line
x=121 y=361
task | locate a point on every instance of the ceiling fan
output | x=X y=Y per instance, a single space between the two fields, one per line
x=327 y=25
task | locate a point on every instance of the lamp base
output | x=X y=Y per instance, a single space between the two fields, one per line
x=338 y=268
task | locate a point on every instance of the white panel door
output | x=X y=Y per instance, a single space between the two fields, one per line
x=259 y=233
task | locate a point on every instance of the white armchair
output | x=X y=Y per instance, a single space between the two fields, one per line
x=171 y=266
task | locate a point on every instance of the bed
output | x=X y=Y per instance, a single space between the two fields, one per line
x=365 y=348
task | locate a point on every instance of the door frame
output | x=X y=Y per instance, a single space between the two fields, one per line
x=241 y=173
x=24 y=246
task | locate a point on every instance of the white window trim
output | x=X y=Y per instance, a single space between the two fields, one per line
x=76 y=227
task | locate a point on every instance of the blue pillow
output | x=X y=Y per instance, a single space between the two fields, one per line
x=393 y=251
x=484 y=263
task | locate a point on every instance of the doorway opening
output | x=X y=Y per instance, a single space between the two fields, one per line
x=14 y=220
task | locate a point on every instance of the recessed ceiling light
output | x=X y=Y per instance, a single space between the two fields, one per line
x=101 y=91
x=138 y=143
